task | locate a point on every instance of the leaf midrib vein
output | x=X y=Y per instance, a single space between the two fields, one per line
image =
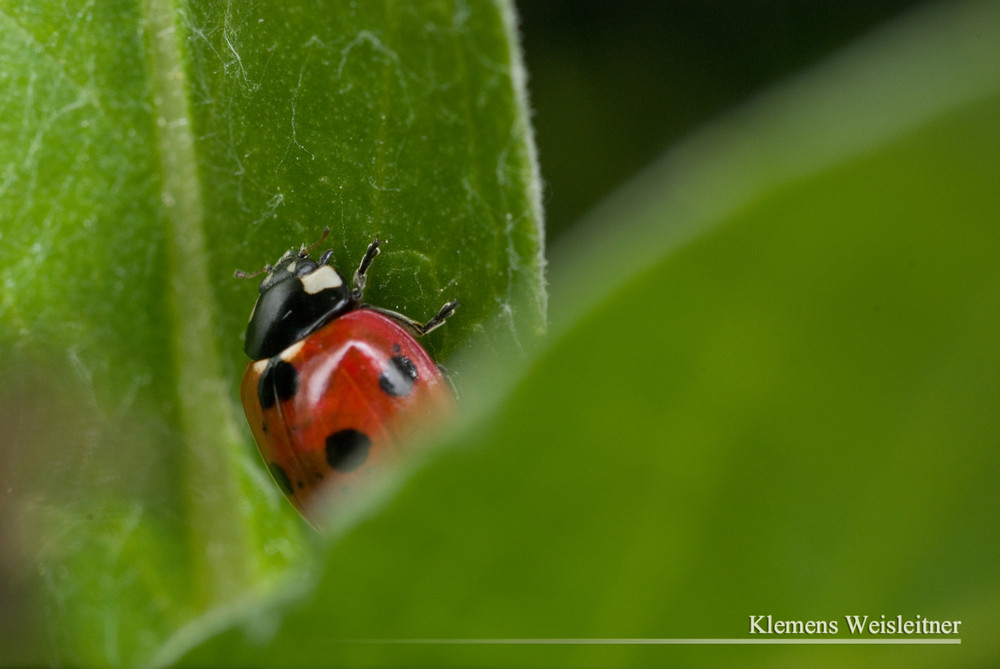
x=218 y=540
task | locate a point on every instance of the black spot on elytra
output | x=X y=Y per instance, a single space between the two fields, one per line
x=398 y=377
x=278 y=382
x=281 y=478
x=346 y=450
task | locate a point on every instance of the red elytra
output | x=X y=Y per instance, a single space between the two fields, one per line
x=330 y=408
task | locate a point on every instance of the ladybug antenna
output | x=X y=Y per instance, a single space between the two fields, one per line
x=303 y=251
x=307 y=249
x=240 y=274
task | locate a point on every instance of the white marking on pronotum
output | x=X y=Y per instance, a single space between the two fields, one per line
x=289 y=353
x=321 y=279
x=258 y=367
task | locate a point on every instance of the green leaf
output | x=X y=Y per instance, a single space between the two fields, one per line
x=772 y=390
x=151 y=149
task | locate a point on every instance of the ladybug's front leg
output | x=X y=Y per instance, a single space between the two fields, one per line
x=360 y=276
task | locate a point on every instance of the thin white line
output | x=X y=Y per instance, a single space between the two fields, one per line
x=656 y=642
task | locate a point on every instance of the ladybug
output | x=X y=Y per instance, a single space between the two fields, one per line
x=335 y=386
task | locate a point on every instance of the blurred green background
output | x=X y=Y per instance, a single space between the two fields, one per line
x=615 y=84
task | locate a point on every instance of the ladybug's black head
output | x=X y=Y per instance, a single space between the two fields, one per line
x=296 y=263
x=297 y=296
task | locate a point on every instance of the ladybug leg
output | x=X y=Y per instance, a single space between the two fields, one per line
x=325 y=258
x=449 y=377
x=416 y=328
x=360 y=276
x=438 y=320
